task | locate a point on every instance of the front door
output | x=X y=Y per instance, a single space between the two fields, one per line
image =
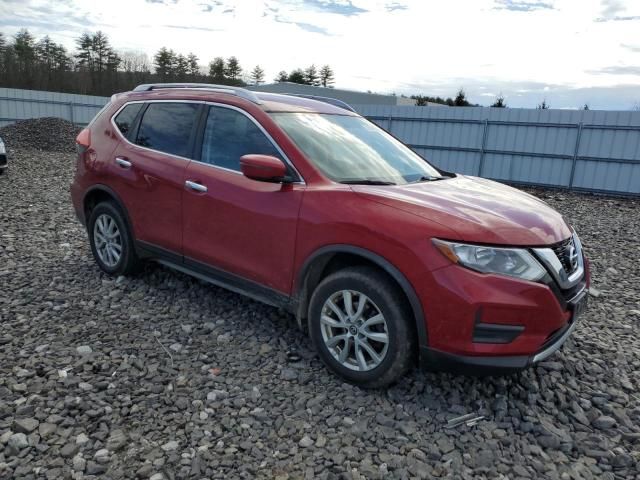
x=236 y=225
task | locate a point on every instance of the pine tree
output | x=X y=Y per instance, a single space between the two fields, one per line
x=163 y=62
x=282 y=77
x=193 y=69
x=24 y=47
x=181 y=67
x=311 y=75
x=84 y=55
x=216 y=69
x=233 y=70
x=543 y=106
x=461 y=99
x=257 y=75
x=297 y=76
x=326 y=76
x=499 y=103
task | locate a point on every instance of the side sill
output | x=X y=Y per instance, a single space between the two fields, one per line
x=214 y=276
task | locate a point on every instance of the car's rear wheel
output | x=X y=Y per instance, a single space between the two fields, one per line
x=361 y=327
x=111 y=241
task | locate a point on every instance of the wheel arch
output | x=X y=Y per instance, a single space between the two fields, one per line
x=314 y=268
x=98 y=193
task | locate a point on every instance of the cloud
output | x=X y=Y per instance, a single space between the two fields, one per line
x=618 y=18
x=611 y=8
x=162 y=2
x=345 y=8
x=611 y=12
x=392 y=7
x=190 y=27
x=311 y=28
x=618 y=70
x=522 y=5
x=307 y=27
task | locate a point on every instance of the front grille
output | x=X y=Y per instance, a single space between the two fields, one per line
x=563 y=252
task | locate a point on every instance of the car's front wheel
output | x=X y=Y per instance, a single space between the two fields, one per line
x=361 y=327
x=111 y=240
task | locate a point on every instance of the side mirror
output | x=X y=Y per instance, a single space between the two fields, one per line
x=263 y=168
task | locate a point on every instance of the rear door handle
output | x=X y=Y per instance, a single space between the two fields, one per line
x=123 y=162
x=195 y=186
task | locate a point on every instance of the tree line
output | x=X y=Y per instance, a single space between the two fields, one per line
x=95 y=67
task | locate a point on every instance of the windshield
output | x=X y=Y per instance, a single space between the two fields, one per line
x=351 y=149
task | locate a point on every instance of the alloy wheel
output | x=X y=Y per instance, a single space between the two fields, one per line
x=108 y=240
x=354 y=330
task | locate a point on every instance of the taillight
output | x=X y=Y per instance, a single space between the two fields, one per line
x=83 y=141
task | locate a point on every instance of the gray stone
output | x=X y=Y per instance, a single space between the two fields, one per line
x=603 y=422
x=305 y=442
x=25 y=425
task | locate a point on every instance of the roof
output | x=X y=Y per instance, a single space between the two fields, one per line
x=268 y=102
x=351 y=97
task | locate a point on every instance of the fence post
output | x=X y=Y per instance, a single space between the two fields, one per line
x=71 y=113
x=576 y=150
x=389 y=126
x=485 y=128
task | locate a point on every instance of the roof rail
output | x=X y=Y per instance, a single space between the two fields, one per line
x=230 y=89
x=333 y=101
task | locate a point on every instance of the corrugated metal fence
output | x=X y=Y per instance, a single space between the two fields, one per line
x=596 y=151
x=16 y=104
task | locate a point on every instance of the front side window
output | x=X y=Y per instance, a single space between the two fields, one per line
x=167 y=127
x=124 y=120
x=351 y=149
x=228 y=135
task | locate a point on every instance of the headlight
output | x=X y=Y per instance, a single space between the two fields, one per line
x=515 y=262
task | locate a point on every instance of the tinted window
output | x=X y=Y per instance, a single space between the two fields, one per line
x=229 y=135
x=167 y=127
x=124 y=120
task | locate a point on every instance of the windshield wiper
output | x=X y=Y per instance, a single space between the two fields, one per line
x=367 y=181
x=429 y=179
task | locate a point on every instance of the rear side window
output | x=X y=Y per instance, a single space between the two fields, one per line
x=167 y=127
x=228 y=135
x=124 y=120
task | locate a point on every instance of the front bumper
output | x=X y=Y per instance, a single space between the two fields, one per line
x=489 y=324
x=438 y=360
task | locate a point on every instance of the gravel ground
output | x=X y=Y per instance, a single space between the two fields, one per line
x=163 y=376
x=46 y=133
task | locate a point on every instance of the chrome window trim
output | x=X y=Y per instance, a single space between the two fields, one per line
x=300 y=180
x=549 y=259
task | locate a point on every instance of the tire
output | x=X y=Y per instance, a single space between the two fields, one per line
x=383 y=297
x=127 y=262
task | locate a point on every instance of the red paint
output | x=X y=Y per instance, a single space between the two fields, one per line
x=262 y=167
x=266 y=231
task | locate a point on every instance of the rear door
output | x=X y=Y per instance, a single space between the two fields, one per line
x=237 y=225
x=149 y=166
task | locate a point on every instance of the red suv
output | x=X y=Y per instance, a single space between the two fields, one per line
x=303 y=204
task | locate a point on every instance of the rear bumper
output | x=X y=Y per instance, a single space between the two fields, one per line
x=432 y=359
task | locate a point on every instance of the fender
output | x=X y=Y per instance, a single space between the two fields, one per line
x=388 y=267
x=103 y=188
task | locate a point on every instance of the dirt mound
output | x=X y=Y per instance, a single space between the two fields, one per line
x=48 y=133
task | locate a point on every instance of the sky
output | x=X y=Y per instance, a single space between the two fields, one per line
x=567 y=52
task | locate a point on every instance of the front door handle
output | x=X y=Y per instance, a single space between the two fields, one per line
x=195 y=186
x=123 y=162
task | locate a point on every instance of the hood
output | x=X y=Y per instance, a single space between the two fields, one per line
x=479 y=210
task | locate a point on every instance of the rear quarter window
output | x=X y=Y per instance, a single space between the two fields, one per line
x=124 y=120
x=167 y=127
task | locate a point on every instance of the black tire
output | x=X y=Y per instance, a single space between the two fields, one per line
x=128 y=263
x=391 y=302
